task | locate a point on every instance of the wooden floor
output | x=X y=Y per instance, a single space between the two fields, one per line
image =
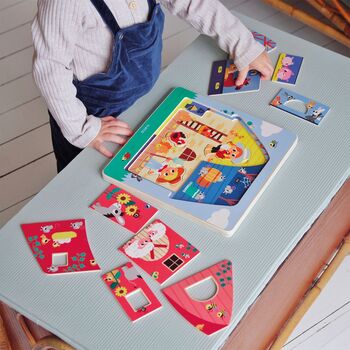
x=27 y=163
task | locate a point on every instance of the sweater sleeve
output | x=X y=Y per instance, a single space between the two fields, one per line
x=55 y=30
x=212 y=18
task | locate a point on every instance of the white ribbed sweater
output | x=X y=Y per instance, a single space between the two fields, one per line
x=71 y=40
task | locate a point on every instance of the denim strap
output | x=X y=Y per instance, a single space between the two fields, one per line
x=107 y=14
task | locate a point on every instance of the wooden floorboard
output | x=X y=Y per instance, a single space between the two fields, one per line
x=17 y=92
x=23 y=119
x=15 y=40
x=17 y=15
x=32 y=145
x=26 y=181
x=16 y=66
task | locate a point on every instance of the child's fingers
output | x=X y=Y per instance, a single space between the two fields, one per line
x=266 y=72
x=108 y=118
x=102 y=149
x=242 y=74
x=116 y=122
x=117 y=130
x=115 y=138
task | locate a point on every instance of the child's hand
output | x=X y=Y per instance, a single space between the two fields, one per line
x=111 y=130
x=262 y=64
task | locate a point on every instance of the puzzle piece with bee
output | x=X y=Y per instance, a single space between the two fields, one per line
x=124 y=208
x=211 y=315
x=60 y=246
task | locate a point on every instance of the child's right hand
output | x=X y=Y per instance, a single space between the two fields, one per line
x=112 y=130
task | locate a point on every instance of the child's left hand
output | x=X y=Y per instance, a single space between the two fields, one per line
x=262 y=64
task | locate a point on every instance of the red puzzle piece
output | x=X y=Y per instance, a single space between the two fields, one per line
x=60 y=246
x=125 y=280
x=209 y=316
x=159 y=251
x=124 y=208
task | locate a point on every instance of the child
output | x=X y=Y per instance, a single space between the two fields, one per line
x=95 y=58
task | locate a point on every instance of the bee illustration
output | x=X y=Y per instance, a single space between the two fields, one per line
x=210 y=307
x=137 y=177
x=273 y=144
x=221 y=314
x=44 y=239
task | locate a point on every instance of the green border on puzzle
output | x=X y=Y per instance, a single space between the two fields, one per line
x=116 y=167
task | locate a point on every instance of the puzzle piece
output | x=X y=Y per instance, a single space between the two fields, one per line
x=159 y=251
x=287 y=69
x=208 y=316
x=124 y=208
x=269 y=44
x=125 y=281
x=60 y=246
x=223 y=79
x=314 y=111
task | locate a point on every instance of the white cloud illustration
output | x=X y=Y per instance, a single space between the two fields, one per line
x=220 y=218
x=268 y=129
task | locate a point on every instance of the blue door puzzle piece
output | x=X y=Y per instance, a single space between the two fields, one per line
x=314 y=111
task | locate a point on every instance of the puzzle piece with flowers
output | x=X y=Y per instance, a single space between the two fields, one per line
x=124 y=208
x=60 y=246
x=123 y=282
x=159 y=251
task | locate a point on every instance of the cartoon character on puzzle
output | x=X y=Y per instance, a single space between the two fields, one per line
x=287 y=68
x=159 y=250
x=204 y=162
x=231 y=77
x=233 y=152
x=314 y=111
x=123 y=208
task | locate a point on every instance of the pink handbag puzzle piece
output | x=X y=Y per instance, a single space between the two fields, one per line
x=123 y=282
x=60 y=246
x=208 y=316
x=124 y=208
x=159 y=251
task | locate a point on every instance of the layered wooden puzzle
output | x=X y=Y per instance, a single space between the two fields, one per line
x=60 y=246
x=287 y=69
x=125 y=282
x=207 y=160
x=313 y=111
x=211 y=315
x=124 y=208
x=159 y=251
x=223 y=79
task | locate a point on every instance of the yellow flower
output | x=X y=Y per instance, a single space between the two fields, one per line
x=131 y=210
x=121 y=291
x=123 y=198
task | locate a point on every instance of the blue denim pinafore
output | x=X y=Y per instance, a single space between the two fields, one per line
x=134 y=68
